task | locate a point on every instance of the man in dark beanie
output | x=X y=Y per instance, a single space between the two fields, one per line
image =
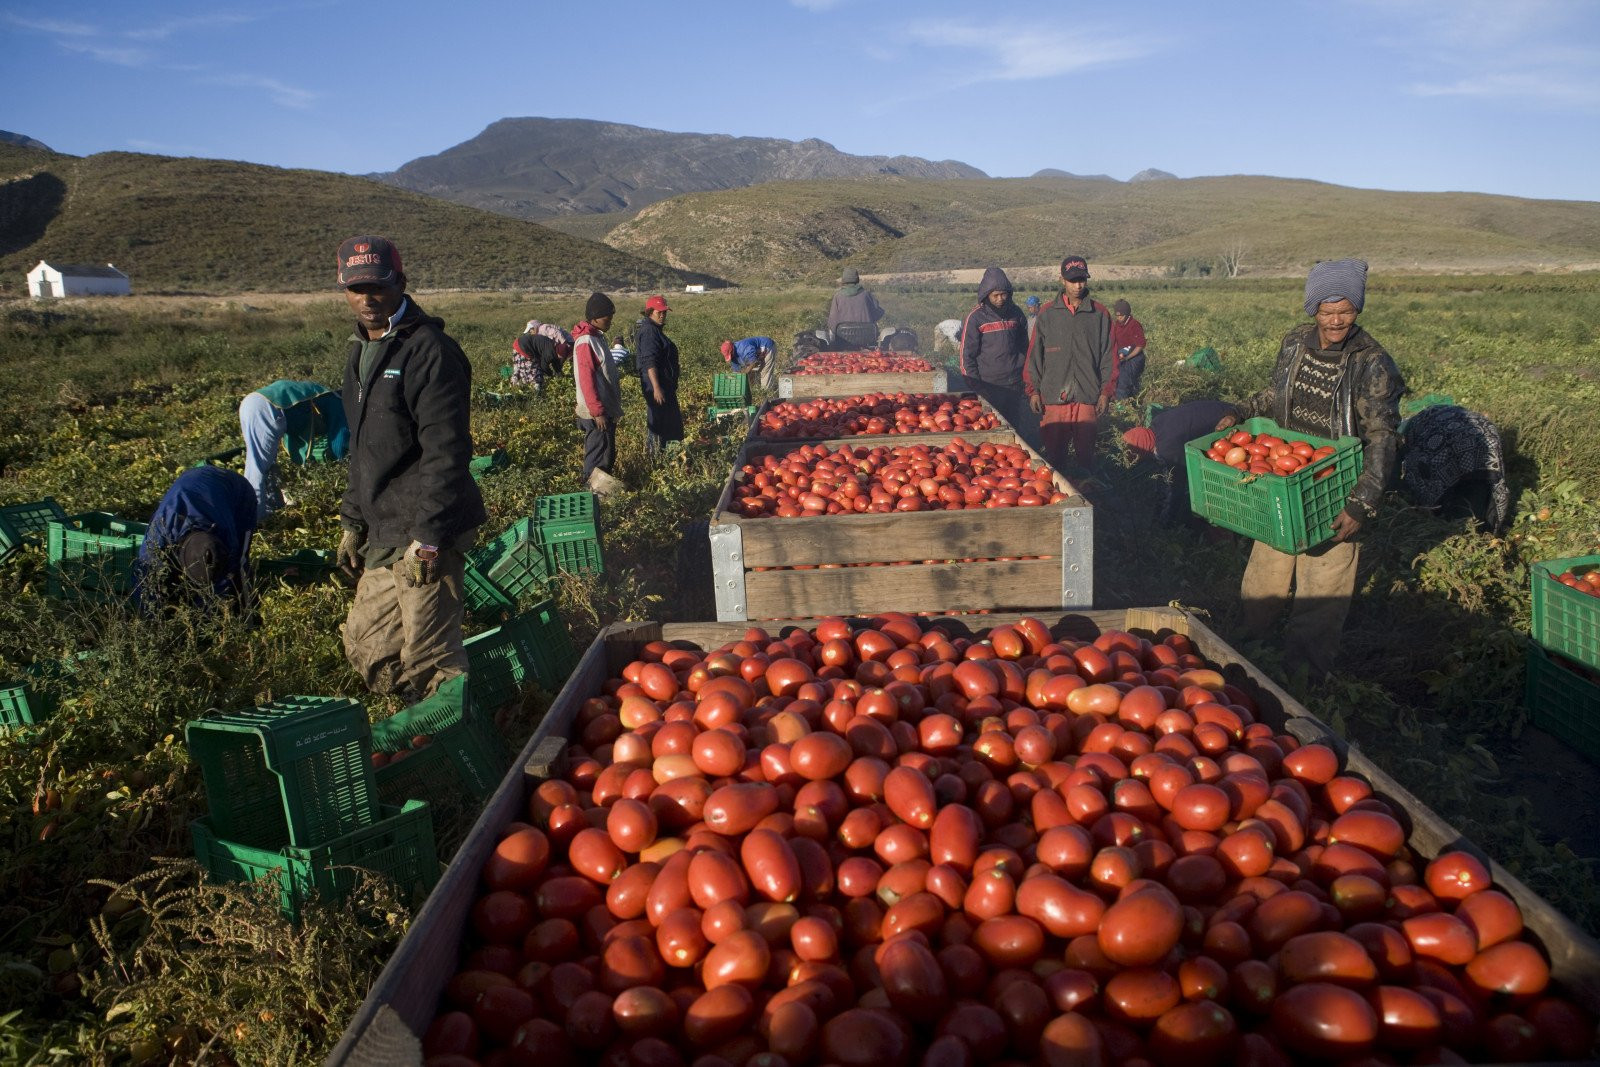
x=412 y=510
x=1332 y=379
x=599 y=399
x=1127 y=351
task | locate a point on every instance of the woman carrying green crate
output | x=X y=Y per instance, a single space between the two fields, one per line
x=1332 y=379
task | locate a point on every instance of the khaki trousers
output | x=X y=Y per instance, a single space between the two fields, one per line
x=1323 y=581
x=400 y=637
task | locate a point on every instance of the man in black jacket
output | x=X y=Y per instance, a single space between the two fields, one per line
x=658 y=375
x=411 y=510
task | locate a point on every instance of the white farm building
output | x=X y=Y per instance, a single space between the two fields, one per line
x=49 y=280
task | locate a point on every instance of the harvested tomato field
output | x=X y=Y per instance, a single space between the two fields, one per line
x=110 y=952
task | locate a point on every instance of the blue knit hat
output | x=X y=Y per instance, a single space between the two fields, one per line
x=1336 y=279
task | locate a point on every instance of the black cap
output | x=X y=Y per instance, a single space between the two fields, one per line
x=598 y=307
x=369 y=261
x=1075 y=269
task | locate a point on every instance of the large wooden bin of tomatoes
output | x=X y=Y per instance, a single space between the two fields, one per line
x=1270 y=484
x=848 y=373
x=887 y=843
x=931 y=523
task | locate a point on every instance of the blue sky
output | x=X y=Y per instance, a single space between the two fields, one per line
x=1500 y=97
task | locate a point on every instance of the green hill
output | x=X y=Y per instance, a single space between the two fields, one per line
x=216 y=226
x=802 y=230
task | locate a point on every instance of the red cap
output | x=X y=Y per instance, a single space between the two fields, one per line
x=1141 y=438
x=656 y=303
x=727 y=351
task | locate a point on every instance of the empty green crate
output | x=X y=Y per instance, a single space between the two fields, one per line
x=489 y=461
x=1563 y=702
x=22 y=524
x=1565 y=620
x=21 y=705
x=565 y=517
x=397 y=846
x=465 y=753
x=293 y=772
x=730 y=391
x=483 y=598
x=92 y=555
x=573 y=557
x=1292 y=512
x=533 y=647
x=513 y=561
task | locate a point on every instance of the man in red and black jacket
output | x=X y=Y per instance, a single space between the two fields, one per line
x=994 y=342
x=1068 y=371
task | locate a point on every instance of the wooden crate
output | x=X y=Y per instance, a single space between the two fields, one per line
x=793 y=385
x=752 y=560
x=388 y=1026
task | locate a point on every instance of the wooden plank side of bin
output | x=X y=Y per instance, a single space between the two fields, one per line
x=861 y=590
x=934 y=381
x=404 y=998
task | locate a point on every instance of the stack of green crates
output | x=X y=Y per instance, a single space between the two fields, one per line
x=532 y=647
x=562 y=536
x=1562 y=692
x=730 y=392
x=91 y=555
x=465 y=755
x=292 y=793
x=1293 y=512
x=22 y=524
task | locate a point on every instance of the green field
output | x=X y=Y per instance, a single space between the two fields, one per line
x=106 y=400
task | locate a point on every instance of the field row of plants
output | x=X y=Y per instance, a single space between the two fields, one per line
x=108 y=400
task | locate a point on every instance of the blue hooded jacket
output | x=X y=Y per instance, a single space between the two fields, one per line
x=207 y=499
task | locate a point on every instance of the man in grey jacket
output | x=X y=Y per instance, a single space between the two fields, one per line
x=852 y=302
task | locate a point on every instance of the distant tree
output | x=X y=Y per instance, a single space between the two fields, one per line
x=1232 y=259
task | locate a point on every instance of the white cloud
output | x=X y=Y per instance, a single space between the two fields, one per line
x=53 y=27
x=816 y=5
x=1023 y=53
x=163 y=30
x=120 y=55
x=1526 y=85
x=281 y=93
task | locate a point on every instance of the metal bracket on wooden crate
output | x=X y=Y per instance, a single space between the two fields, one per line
x=941 y=381
x=785 y=387
x=727 y=571
x=1077 y=557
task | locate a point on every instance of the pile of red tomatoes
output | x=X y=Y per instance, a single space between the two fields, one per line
x=875 y=413
x=860 y=363
x=1586 y=582
x=417 y=743
x=1267 y=453
x=813 y=480
x=881 y=847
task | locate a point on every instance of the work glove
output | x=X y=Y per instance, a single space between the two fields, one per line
x=348 y=556
x=420 y=564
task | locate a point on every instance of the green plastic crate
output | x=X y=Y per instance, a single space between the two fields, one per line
x=565 y=517
x=1563 y=702
x=293 y=772
x=489 y=461
x=730 y=391
x=483 y=598
x=92 y=555
x=22 y=703
x=573 y=556
x=513 y=561
x=465 y=752
x=397 y=846
x=22 y=524
x=533 y=647
x=1566 y=621
x=1293 y=512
